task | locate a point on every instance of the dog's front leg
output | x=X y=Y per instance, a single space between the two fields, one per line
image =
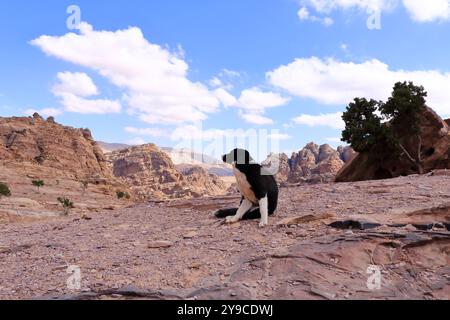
x=243 y=209
x=264 y=209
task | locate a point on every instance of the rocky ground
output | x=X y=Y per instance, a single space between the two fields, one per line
x=174 y=250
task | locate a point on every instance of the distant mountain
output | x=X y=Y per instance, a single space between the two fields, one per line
x=185 y=159
x=152 y=175
x=312 y=164
x=110 y=147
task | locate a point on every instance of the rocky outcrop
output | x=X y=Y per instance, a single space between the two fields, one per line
x=435 y=154
x=201 y=182
x=185 y=159
x=68 y=160
x=307 y=252
x=36 y=141
x=312 y=164
x=280 y=165
x=151 y=175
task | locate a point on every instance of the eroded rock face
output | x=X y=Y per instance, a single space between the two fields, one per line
x=201 y=182
x=68 y=160
x=312 y=164
x=280 y=165
x=435 y=153
x=152 y=175
x=36 y=141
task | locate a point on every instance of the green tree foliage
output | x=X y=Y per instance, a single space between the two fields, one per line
x=38 y=184
x=376 y=127
x=123 y=195
x=84 y=186
x=4 y=190
x=66 y=204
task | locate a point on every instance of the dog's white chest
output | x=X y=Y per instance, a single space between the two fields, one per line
x=244 y=186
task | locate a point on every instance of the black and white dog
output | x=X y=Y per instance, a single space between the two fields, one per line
x=257 y=186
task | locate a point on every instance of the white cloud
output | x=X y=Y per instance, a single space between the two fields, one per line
x=192 y=132
x=74 y=88
x=230 y=73
x=255 y=100
x=279 y=136
x=137 y=141
x=73 y=103
x=429 y=10
x=215 y=82
x=225 y=97
x=337 y=83
x=46 y=112
x=255 y=118
x=333 y=139
x=79 y=84
x=155 y=80
x=419 y=10
x=326 y=6
x=331 y=120
x=305 y=15
x=151 y=132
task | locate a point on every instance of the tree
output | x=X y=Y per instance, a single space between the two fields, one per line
x=66 y=204
x=403 y=111
x=84 y=186
x=378 y=127
x=363 y=127
x=123 y=195
x=4 y=190
x=38 y=184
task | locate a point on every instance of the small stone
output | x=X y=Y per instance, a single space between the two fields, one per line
x=190 y=235
x=159 y=245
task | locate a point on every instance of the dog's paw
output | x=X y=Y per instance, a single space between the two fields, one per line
x=231 y=220
x=263 y=224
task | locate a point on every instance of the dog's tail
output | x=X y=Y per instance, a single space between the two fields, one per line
x=250 y=215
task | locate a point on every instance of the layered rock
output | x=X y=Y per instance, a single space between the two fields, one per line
x=68 y=160
x=312 y=164
x=152 y=175
x=36 y=141
x=185 y=159
x=435 y=154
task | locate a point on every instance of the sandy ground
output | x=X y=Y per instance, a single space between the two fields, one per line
x=178 y=250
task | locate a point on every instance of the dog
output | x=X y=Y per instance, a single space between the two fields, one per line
x=257 y=186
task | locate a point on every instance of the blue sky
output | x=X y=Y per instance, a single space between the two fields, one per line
x=199 y=68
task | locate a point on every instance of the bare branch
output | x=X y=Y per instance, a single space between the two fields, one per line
x=407 y=153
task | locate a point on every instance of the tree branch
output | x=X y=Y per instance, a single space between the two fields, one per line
x=407 y=154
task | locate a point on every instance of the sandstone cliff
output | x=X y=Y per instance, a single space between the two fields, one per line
x=32 y=148
x=435 y=154
x=152 y=175
x=312 y=164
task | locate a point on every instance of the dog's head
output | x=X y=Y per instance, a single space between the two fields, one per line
x=238 y=157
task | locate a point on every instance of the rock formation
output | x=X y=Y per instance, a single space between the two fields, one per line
x=312 y=164
x=36 y=141
x=32 y=148
x=435 y=154
x=185 y=159
x=318 y=245
x=152 y=175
